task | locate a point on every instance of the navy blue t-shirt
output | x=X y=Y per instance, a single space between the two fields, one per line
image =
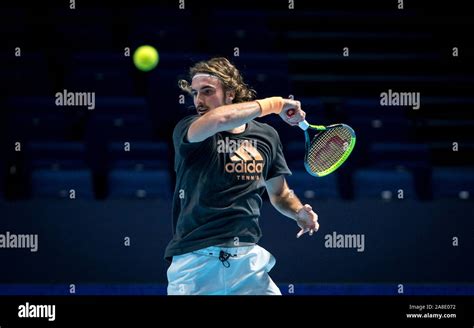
x=219 y=185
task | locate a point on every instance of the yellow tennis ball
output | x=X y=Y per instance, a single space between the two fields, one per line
x=146 y=58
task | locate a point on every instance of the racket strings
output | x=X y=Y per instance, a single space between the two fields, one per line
x=328 y=148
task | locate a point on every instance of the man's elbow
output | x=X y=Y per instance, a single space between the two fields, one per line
x=211 y=124
x=222 y=119
x=274 y=199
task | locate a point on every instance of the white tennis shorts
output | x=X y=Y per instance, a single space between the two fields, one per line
x=222 y=271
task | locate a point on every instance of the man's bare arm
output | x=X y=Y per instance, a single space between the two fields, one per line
x=283 y=198
x=223 y=118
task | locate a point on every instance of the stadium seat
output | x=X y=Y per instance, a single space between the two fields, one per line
x=267 y=82
x=3 y=173
x=120 y=105
x=371 y=108
x=23 y=127
x=392 y=155
x=371 y=183
x=62 y=184
x=105 y=73
x=38 y=118
x=138 y=155
x=114 y=127
x=28 y=74
x=307 y=186
x=57 y=155
x=92 y=29
x=165 y=37
x=102 y=129
x=139 y=184
x=248 y=30
x=382 y=129
x=453 y=182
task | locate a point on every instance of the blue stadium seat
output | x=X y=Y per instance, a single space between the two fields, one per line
x=57 y=155
x=28 y=74
x=105 y=73
x=179 y=62
x=102 y=129
x=261 y=62
x=104 y=81
x=294 y=150
x=392 y=155
x=30 y=104
x=267 y=82
x=382 y=129
x=307 y=186
x=91 y=29
x=165 y=80
x=3 y=173
x=98 y=59
x=110 y=127
x=453 y=182
x=139 y=184
x=60 y=183
x=139 y=155
x=38 y=118
x=383 y=184
x=239 y=18
x=363 y=107
x=163 y=37
x=244 y=29
x=165 y=97
x=51 y=126
x=105 y=127
x=119 y=105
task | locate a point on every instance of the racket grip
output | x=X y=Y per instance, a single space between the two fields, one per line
x=303 y=125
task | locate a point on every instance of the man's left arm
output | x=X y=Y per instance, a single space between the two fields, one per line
x=288 y=204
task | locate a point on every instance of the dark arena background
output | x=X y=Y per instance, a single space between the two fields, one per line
x=92 y=182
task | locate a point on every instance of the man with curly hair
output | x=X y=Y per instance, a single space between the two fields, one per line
x=224 y=160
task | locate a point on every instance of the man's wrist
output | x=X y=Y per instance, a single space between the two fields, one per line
x=297 y=212
x=272 y=105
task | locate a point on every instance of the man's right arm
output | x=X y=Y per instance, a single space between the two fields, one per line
x=228 y=117
x=223 y=118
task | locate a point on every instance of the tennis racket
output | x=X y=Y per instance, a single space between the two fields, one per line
x=328 y=149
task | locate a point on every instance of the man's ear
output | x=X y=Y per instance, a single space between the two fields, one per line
x=229 y=96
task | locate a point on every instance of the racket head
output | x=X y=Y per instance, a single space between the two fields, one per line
x=328 y=149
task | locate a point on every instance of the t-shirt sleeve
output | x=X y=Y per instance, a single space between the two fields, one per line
x=278 y=165
x=180 y=140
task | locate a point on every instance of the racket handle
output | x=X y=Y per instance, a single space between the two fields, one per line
x=303 y=125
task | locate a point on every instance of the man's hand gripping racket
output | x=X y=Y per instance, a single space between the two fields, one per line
x=330 y=147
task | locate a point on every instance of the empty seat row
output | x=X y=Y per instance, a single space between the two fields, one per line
x=387 y=184
x=155 y=182
x=78 y=184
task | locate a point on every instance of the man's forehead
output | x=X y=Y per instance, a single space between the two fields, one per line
x=201 y=80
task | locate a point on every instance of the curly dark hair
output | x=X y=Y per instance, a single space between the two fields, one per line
x=228 y=74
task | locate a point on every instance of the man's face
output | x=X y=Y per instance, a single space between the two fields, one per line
x=208 y=93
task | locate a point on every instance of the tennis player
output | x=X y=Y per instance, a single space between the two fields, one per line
x=224 y=160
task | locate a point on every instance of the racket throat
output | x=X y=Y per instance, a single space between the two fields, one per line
x=303 y=125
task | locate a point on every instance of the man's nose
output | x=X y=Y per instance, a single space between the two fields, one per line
x=199 y=100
